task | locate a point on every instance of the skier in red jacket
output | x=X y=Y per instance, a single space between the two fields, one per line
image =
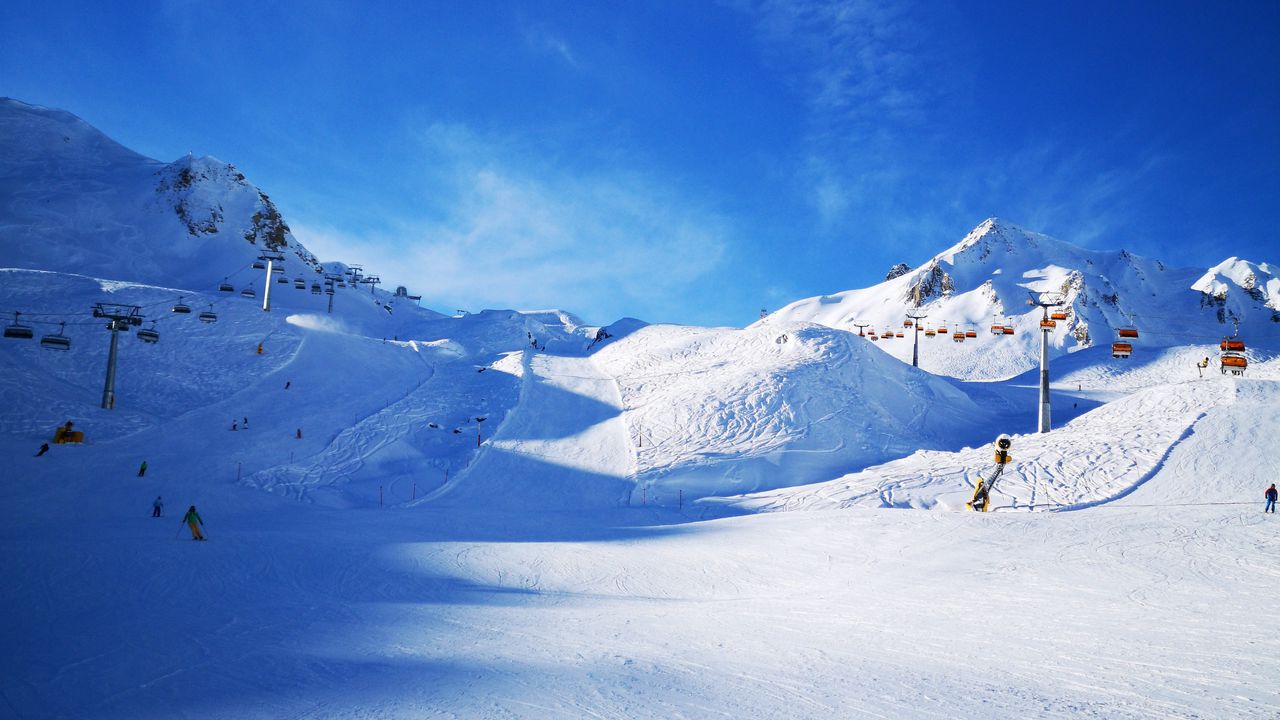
x=1271 y=499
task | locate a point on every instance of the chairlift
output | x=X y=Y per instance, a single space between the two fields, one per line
x=299 y=283
x=1008 y=329
x=315 y=288
x=1234 y=363
x=1058 y=315
x=899 y=334
x=149 y=335
x=958 y=336
x=997 y=329
x=1232 y=346
x=259 y=265
x=943 y=330
x=248 y=292
x=209 y=315
x=930 y=333
x=17 y=330
x=277 y=268
x=971 y=333
x=226 y=286
x=1129 y=333
x=342 y=283
x=1121 y=349
x=282 y=280
x=181 y=308
x=56 y=341
x=907 y=323
x=1051 y=324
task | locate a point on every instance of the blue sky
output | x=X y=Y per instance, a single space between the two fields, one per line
x=682 y=161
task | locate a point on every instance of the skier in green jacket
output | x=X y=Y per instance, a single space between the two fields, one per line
x=192 y=519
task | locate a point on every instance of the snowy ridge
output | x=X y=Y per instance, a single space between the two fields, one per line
x=987 y=277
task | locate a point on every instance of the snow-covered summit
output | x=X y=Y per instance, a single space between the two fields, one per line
x=79 y=202
x=1237 y=283
x=988 y=278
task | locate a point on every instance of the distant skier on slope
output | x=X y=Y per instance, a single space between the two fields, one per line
x=193 y=521
x=43 y=449
x=142 y=469
x=1271 y=499
x=156 y=505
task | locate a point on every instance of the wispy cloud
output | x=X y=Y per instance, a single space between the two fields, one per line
x=869 y=77
x=542 y=39
x=505 y=228
x=883 y=82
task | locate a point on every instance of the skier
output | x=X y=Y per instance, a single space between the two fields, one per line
x=43 y=449
x=155 y=506
x=1271 y=499
x=245 y=423
x=287 y=383
x=192 y=519
x=298 y=436
x=142 y=469
x=233 y=425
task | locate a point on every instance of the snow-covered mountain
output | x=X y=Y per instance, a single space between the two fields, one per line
x=988 y=278
x=74 y=200
x=511 y=514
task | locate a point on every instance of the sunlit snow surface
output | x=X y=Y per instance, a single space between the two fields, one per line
x=427 y=516
x=599 y=554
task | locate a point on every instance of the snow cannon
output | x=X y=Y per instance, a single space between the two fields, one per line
x=981 y=500
x=1003 y=443
x=64 y=434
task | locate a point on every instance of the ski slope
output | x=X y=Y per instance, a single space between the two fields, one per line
x=542 y=579
x=509 y=514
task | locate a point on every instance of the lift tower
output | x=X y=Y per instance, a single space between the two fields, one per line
x=1044 y=302
x=118 y=317
x=915 y=349
x=270 y=258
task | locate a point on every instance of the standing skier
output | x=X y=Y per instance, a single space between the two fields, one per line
x=43 y=449
x=155 y=506
x=192 y=519
x=1271 y=499
x=142 y=469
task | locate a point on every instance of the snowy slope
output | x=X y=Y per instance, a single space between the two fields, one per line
x=473 y=609
x=988 y=277
x=716 y=411
x=404 y=559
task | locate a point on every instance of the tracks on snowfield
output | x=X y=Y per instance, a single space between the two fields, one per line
x=1100 y=458
x=564 y=444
